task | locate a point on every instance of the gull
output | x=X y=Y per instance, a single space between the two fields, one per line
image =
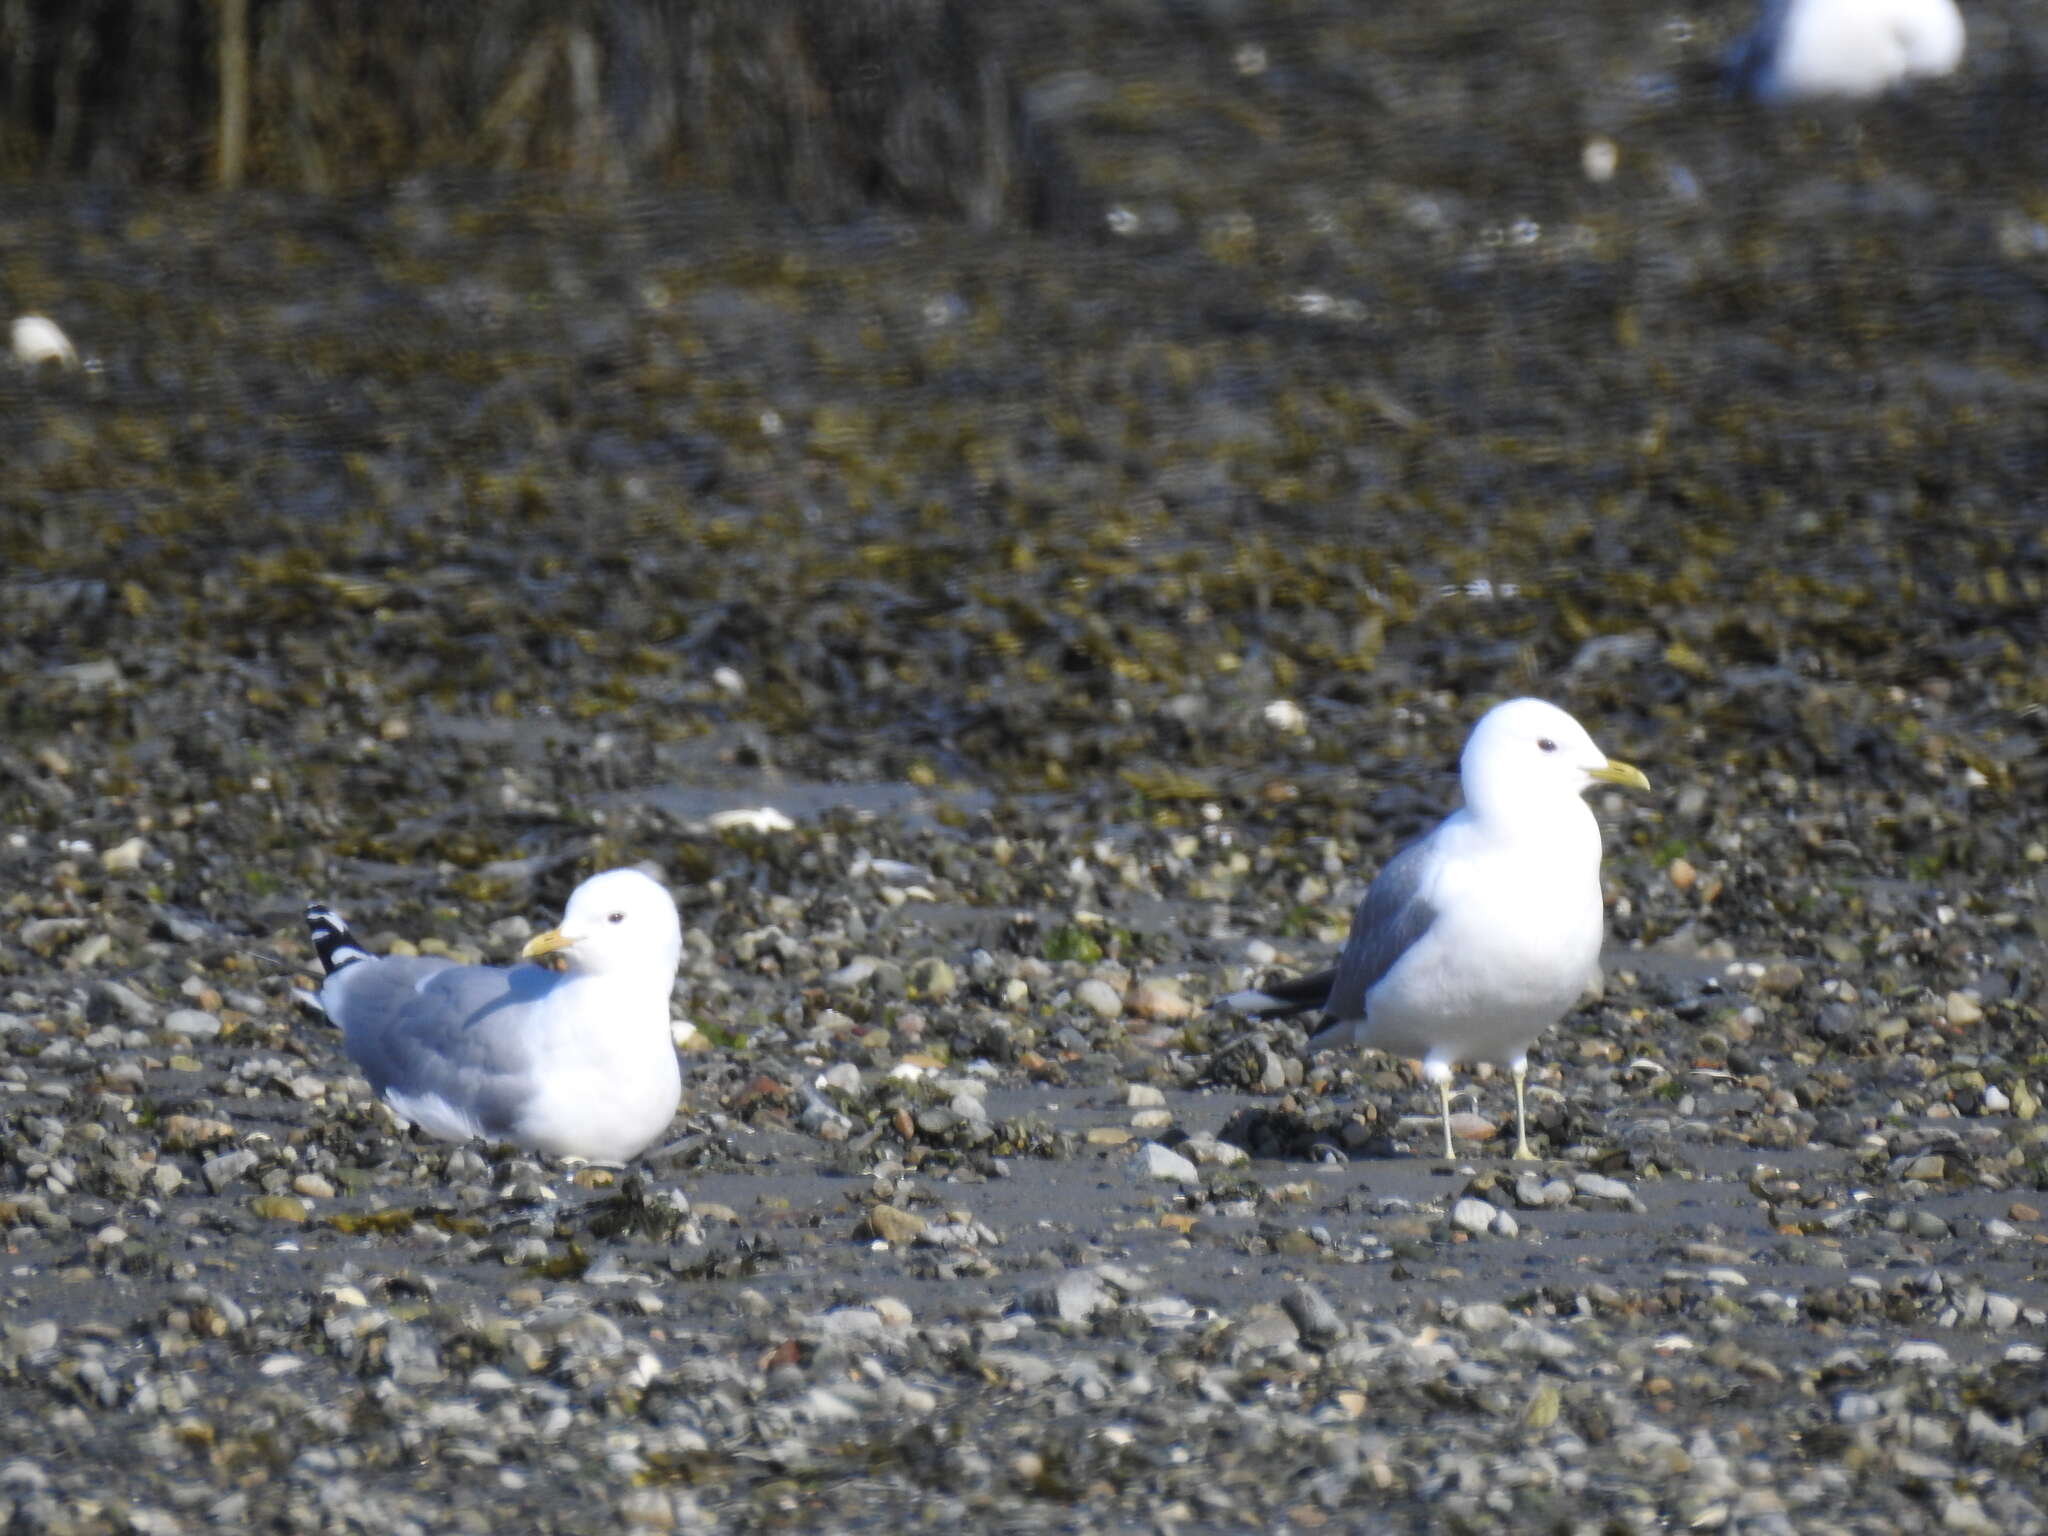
x=1477 y=937
x=1803 y=49
x=36 y=339
x=578 y=1062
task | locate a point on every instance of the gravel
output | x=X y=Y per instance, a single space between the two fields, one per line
x=427 y=553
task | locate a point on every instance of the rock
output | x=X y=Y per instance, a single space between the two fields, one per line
x=893 y=1225
x=1160 y=1000
x=131 y=1005
x=124 y=858
x=1962 y=1010
x=278 y=1207
x=932 y=979
x=1099 y=998
x=1077 y=1296
x=1206 y=1148
x=1266 y=1327
x=193 y=1023
x=1313 y=1315
x=1533 y=1192
x=1484 y=1317
x=1152 y=1161
x=1470 y=1214
x=841 y=1077
x=219 y=1172
x=1143 y=1096
x=1598 y=1189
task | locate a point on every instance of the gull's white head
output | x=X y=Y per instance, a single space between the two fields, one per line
x=1526 y=753
x=617 y=921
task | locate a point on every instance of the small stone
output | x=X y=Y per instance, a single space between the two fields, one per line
x=1544 y=1404
x=1995 y=1100
x=1266 y=1327
x=1107 y=1136
x=1857 y=1408
x=1152 y=1161
x=1078 y=1295
x=1152 y=1120
x=1471 y=1214
x=1099 y=998
x=932 y=978
x=183 y=1131
x=1160 y=1000
x=124 y=858
x=1533 y=1192
x=841 y=1077
x=130 y=1004
x=2019 y=1210
x=193 y=1023
x=279 y=1208
x=2000 y=1312
x=1206 y=1148
x=893 y=1225
x=1467 y=1126
x=1597 y=1187
x=1318 y=1321
x=1961 y=1010
x=313 y=1186
x=1781 y=978
x=1143 y=1096
x=223 y=1170
x=1484 y=1317
x=1681 y=874
x=1920 y=1352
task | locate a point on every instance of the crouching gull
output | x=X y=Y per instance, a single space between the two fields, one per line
x=578 y=1062
x=1476 y=938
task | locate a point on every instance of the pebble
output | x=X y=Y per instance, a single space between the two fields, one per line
x=1152 y=1161
x=893 y=1225
x=1159 y=999
x=1099 y=998
x=1598 y=1189
x=124 y=858
x=1471 y=1214
x=1317 y=1320
x=193 y=1023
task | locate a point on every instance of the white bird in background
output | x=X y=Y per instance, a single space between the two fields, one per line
x=1802 y=50
x=576 y=1063
x=1477 y=937
x=37 y=340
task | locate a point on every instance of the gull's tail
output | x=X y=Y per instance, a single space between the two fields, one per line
x=1282 y=999
x=337 y=946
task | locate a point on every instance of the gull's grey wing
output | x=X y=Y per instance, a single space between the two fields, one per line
x=1392 y=915
x=1745 y=66
x=441 y=1041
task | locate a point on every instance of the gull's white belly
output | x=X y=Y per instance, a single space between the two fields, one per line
x=1512 y=948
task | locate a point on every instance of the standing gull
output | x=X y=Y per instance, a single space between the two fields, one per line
x=1801 y=50
x=1476 y=938
x=577 y=1062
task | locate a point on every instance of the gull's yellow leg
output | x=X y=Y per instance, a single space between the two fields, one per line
x=1522 y=1114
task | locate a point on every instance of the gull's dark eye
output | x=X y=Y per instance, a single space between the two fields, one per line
x=616 y=917
x=1545 y=743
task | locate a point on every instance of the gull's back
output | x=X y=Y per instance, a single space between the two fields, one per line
x=439 y=1040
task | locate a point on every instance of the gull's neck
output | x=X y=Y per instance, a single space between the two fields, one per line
x=1516 y=814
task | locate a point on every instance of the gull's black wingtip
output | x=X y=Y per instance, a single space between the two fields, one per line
x=1282 y=999
x=332 y=940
